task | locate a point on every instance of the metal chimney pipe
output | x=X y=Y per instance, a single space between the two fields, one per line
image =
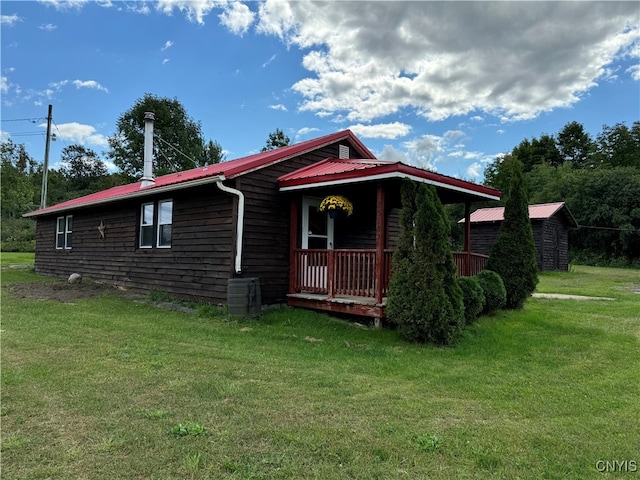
x=147 y=171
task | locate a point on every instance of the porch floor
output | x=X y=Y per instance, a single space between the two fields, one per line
x=365 y=306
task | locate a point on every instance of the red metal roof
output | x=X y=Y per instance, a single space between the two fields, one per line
x=536 y=212
x=333 y=171
x=211 y=173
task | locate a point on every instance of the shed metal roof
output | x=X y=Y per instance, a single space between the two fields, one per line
x=538 y=211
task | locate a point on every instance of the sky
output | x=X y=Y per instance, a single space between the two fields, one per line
x=447 y=86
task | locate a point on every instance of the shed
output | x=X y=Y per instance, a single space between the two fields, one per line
x=550 y=222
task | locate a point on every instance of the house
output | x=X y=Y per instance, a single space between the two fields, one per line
x=550 y=222
x=191 y=233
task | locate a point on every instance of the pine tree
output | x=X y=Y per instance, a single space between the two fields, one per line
x=513 y=256
x=424 y=298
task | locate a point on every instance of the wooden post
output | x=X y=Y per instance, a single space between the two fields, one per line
x=380 y=231
x=293 y=243
x=331 y=273
x=467 y=238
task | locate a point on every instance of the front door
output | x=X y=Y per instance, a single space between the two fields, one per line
x=317 y=234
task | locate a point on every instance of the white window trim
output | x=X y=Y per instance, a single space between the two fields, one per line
x=65 y=232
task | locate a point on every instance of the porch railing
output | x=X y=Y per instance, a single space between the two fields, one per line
x=353 y=272
x=469 y=263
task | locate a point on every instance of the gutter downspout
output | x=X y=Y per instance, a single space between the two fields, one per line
x=240 y=222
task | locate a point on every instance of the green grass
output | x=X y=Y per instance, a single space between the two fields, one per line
x=94 y=388
x=16 y=258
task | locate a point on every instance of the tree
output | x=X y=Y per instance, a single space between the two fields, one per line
x=82 y=168
x=537 y=151
x=276 y=139
x=178 y=142
x=424 y=300
x=513 y=255
x=576 y=145
x=619 y=146
x=17 y=189
x=213 y=153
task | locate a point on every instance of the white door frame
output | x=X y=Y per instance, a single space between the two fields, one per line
x=306 y=234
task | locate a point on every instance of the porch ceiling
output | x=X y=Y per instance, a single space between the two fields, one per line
x=334 y=171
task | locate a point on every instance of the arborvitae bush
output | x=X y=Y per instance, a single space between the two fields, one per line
x=424 y=298
x=513 y=256
x=495 y=295
x=472 y=298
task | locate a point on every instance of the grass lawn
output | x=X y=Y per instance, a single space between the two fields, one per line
x=111 y=388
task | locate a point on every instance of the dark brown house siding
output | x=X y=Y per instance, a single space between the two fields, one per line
x=550 y=236
x=201 y=258
x=266 y=224
x=196 y=266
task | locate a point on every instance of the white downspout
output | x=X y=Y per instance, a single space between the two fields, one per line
x=240 y=222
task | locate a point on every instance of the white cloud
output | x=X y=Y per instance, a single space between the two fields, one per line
x=442 y=59
x=89 y=84
x=381 y=130
x=237 y=18
x=194 y=10
x=279 y=106
x=4 y=84
x=82 y=134
x=49 y=27
x=306 y=131
x=65 y=4
x=266 y=64
x=165 y=61
x=9 y=20
x=474 y=170
x=167 y=44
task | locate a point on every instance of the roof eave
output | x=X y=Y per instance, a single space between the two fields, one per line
x=140 y=193
x=350 y=177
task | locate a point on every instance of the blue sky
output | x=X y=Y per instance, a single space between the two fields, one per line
x=441 y=85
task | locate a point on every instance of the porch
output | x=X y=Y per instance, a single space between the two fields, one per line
x=343 y=264
x=353 y=281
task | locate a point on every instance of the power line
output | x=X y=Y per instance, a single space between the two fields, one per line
x=611 y=228
x=32 y=120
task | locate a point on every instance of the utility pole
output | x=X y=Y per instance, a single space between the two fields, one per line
x=45 y=168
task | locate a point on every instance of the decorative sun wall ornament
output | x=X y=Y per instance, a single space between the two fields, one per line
x=335 y=204
x=102 y=229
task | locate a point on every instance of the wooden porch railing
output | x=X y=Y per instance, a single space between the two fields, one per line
x=352 y=272
x=469 y=263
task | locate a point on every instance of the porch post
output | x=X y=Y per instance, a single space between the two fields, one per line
x=293 y=243
x=380 y=234
x=467 y=238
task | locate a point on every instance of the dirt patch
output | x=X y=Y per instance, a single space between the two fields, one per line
x=62 y=291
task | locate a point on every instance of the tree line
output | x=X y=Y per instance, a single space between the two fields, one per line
x=178 y=145
x=598 y=179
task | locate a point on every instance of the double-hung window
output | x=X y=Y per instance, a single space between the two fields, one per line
x=64 y=232
x=146 y=225
x=155 y=224
x=165 y=218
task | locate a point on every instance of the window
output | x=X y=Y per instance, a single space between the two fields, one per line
x=155 y=224
x=64 y=231
x=165 y=217
x=146 y=226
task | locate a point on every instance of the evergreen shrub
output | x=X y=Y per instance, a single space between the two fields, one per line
x=424 y=299
x=472 y=298
x=495 y=294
